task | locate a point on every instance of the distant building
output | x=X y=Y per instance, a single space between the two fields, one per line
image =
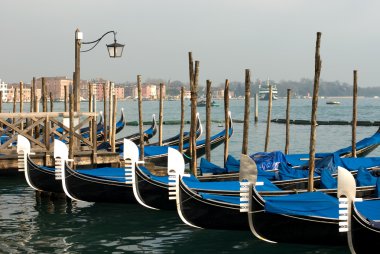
x=99 y=90
x=148 y=91
x=26 y=93
x=57 y=85
x=4 y=89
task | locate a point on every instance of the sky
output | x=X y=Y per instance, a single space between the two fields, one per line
x=272 y=38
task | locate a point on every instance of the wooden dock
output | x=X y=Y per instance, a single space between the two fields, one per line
x=40 y=129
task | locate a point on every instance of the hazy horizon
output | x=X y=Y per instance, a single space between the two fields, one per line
x=273 y=38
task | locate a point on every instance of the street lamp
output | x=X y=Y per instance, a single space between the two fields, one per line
x=114 y=50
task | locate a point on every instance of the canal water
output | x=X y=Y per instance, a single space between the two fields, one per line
x=31 y=223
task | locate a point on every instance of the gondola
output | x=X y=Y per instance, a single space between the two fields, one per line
x=151 y=189
x=208 y=204
x=38 y=177
x=148 y=134
x=305 y=218
x=202 y=210
x=158 y=154
x=174 y=141
x=111 y=185
x=100 y=128
x=119 y=127
x=359 y=218
x=363 y=148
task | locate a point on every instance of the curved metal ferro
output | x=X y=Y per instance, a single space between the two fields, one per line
x=98 y=40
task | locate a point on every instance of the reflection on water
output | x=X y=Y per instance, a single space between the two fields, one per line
x=32 y=223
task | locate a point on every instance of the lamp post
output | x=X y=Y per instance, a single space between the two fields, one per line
x=114 y=50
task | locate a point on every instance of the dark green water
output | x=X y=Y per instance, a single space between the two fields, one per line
x=35 y=224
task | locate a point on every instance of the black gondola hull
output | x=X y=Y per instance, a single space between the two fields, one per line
x=96 y=189
x=364 y=234
x=284 y=228
x=43 y=179
x=153 y=193
x=210 y=214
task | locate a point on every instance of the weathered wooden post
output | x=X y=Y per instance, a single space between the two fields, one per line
x=14 y=105
x=191 y=76
x=208 y=120
x=182 y=119
x=105 y=111
x=160 y=116
x=94 y=140
x=226 y=117
x=193 y=126
x=90 y=109
x=21 y=103
x=110 y=113
x=140 y=117
x=51 y=102
x=287 y=121
x=21 y=97
x=71 y=116
x=44 y=95
x=66 y=98
x=256 y=108
x=14 y=99
x=267 y=136
x=244 y=149
x=35 y=106
x=32 y=95
x=114 y=108
x=89 y=97
x=318 y=65
x=354 y=113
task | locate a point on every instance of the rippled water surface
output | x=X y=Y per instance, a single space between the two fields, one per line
x=31 y=223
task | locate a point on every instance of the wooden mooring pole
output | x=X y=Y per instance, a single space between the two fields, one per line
x=140 y=117
x=51 y=102
x=32 y=95
x=113 y=136
x=161 y=106
x=182 y=119
x=226 y=117
x=318 y=66
x=193 y=126
x=44 y=96
x=256 y=108
x=354 y=112
x=287 y=121
x=208 y=120
x=71 y=116
x=110 y=113
x=14 y=99
x=105 y=111
x=267 y=135
x=66 y=98
x=244 y=149
x=21 y=97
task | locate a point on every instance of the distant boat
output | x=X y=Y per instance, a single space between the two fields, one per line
x=264 y=92
x=333 y=102
x=202 y=103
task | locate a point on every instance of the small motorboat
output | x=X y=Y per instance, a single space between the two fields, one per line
x=333 y=102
